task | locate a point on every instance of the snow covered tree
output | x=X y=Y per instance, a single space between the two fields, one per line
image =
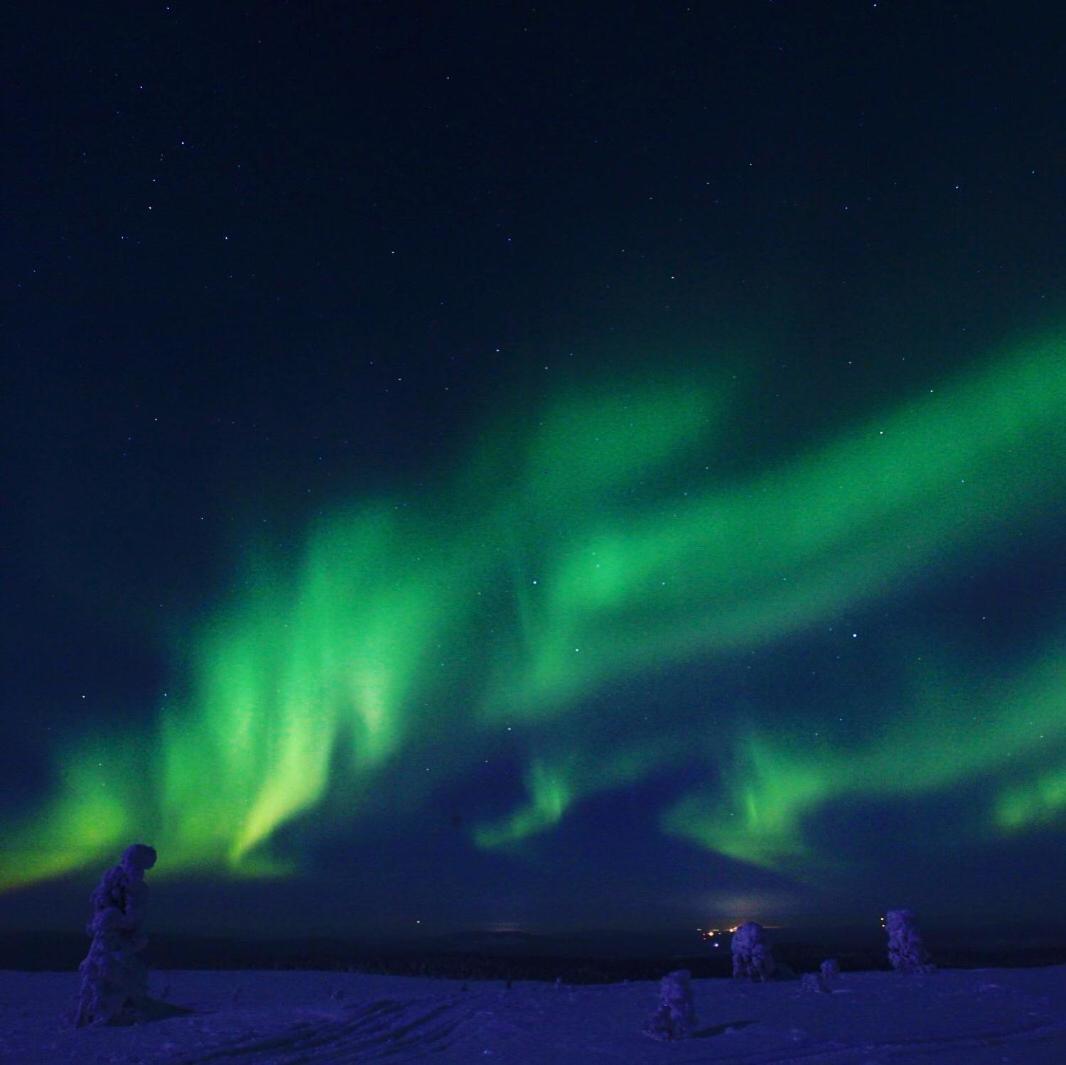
x=906 y=951
x=114 y=980
x=676 y=1016
x=752 y=958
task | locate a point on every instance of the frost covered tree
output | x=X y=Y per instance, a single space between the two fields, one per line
x=752 y=958
x=114 y=980
x=906 y=951
x=676 y=1016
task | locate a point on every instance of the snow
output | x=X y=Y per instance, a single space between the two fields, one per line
x=968 y=1017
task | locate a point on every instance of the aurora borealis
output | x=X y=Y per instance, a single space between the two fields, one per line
x=771 y=599
x=488 y=609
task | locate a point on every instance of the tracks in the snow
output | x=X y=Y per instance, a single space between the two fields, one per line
x=391 y=1029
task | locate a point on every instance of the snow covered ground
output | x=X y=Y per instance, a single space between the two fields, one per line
x=969 y=1017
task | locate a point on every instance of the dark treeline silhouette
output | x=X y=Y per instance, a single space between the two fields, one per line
x=580 y=960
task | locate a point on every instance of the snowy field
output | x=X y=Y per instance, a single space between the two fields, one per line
x=969 y=1017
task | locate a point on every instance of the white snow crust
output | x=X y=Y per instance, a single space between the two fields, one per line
x=956 y=1017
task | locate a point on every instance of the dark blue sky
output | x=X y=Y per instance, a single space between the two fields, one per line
x=274 y=270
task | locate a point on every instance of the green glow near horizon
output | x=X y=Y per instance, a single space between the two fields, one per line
x=554 y=785
x=947 y=735
x=550 y=795
x=598 y=546
x=91 y=816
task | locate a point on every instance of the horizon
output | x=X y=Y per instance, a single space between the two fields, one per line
x=249 y=911
x=597 y=956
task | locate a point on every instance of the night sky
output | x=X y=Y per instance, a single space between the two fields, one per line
x=555 y=466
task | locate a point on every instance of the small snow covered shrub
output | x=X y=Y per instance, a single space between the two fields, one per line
x=823 y=980
x=752 y=959
x=676 y=1016
x=114 y=980
x=906 y=951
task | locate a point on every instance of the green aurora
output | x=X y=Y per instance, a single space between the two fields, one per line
x=559 y=562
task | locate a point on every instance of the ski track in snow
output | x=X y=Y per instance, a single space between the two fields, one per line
x=956 y=1017
x=384 y=1027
